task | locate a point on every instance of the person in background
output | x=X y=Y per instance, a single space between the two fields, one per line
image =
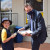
x=6 y=37
x=37 y=25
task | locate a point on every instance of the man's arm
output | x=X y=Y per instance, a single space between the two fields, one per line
x=40 y=24
x=26 y=27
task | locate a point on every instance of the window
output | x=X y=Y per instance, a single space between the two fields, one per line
x=6 y=6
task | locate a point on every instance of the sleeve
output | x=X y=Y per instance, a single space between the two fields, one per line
x=40 y=25
x=3 y=35
x=27 y=26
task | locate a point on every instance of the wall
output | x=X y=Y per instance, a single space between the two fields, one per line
x=18 y=7
x=46 y=10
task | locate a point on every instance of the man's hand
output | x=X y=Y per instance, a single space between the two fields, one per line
x=21 y=29
x=24 y=34
x=28 y=34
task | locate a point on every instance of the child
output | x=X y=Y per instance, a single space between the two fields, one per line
x=6 y=37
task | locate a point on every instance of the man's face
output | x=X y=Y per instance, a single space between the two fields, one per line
x=28 y=9
x=6 y=24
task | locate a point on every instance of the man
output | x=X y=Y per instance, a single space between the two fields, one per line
x=37 y=25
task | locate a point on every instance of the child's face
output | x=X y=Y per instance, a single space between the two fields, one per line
x=6 y=24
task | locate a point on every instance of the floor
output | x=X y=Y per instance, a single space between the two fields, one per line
x=27 y=46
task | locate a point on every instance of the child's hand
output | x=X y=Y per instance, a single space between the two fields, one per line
x=13 y=36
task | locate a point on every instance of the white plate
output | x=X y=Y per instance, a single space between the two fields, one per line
x=23 y=32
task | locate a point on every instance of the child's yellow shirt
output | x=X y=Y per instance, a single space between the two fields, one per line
x=3 y=35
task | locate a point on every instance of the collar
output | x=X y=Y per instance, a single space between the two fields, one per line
x=31 y=12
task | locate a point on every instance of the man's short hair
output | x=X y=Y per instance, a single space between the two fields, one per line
x=28 y=4
x=32 y=4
